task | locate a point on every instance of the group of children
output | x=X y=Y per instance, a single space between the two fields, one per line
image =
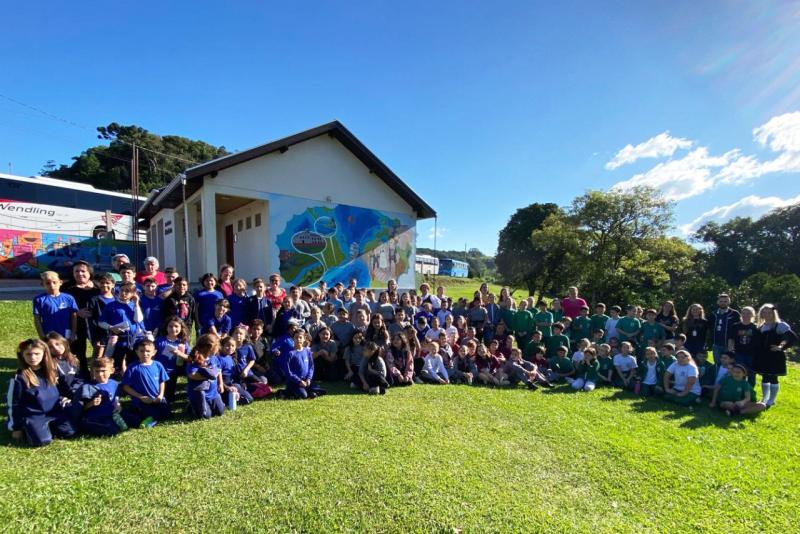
x=252 y=340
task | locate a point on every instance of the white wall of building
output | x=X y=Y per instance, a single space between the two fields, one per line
x=251 y=247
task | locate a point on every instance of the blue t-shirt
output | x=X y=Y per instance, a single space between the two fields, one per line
x=209 y=384
x=108 y=399
x=151 y=309
x=206 y=304
x=222 y=324
x=145 y=379
x=237 y=309
x=164 y=352
x=55 y=313
x=116 y=313
x=227 y=367
x=244 y=355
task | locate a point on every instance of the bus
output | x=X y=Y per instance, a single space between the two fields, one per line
x=456 y=268
x=47 y=224
x=425 y=264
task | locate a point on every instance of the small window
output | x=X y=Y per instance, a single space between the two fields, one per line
x=241 y=225
x=249 y=222
x=258 y=219
x=199 y=230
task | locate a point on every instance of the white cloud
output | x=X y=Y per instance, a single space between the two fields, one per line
x=750 y=206
x=698 y=171
x=656 y=147
x=439 y=232
x=684 y=177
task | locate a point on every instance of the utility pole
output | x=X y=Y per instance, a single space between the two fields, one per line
x=135 y=201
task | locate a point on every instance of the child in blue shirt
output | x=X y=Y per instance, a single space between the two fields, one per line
x=237 y=301
x=54 y=311
x=99 y=402
x=298 y=369
x=172 y=351
x=220 y=323
x=206 y=301
x=205 y=379
x=96 y=305
x=122 y=319
x=145 y=382
x=35 y=411
x=151 y=302
x=229 y=369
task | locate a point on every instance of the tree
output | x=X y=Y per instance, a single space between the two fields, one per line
x=517 y=262
x=160 y=159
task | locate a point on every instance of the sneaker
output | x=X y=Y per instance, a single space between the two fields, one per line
x=353 y=385
x=532 y=386
x=148 y=422
x=373 y=391
x=417 y=380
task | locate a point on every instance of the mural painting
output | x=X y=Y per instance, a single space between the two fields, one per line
x=337 y=242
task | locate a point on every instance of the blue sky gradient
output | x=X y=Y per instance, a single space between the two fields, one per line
x=480 y=107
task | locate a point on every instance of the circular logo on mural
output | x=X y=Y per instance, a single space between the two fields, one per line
x=308 y=242
x=325 y=226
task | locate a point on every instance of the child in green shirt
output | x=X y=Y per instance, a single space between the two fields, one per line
x=561 y=368
x=735 y=395
x=543 y=319
x=523 y=324
x=581 y=326
x=587 y=373
x=650 y=374
x=558 y=339
x=599 y=318
x=605 y=370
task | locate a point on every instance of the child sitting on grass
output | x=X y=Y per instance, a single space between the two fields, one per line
x=100 y=403
x=518 y=370
x=625 y=367
x=713 y=374
x=172 y=351
x=463 y=369
x=204 y=379
x=686 y=387
x=298 y=369
x=353 y=355
x=434 y=370
x=586 y=374
x=735 y=395
x=373 y=370
x=561 y=368
x=145 y=382
x=605 y=370
x=487 y=365
x=35 y=412
x=232 y=381
x=650 y=374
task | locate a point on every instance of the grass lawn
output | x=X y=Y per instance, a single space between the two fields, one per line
x=421 y=458
x=463 y=287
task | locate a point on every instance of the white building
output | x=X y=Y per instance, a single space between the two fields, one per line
x=317 y=205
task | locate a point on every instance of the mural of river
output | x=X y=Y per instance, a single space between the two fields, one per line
x=338 y=242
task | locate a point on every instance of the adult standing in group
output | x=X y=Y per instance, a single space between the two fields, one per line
x=82 y=289
x=117 y=261
x=695 y=327
x=572 y=304
x=226 y=279
x=668 y=318
x=770 y=361
x=722 y=320
x=151 y=271
x=275 y=293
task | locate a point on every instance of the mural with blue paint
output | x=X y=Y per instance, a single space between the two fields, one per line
x=337 y=242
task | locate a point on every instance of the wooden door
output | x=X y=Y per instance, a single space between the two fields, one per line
x=229 y=245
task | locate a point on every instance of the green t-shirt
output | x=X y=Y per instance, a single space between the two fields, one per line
x=732 y=390
x=667 y=360
x=605 y=365
x=561 y=365
x=544 y=317
x=523 y=321
x=588 y=371
x=652 y=331
x=581 y=328
x=557 y=315
x=507 y=316
x=553 y=342
x=599 y=322
x=629 y=324
x=530 y=349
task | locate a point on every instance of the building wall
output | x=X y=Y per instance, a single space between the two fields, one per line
x=250 y=248
x=320 y=169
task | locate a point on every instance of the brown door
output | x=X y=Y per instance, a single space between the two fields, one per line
x=229 y=245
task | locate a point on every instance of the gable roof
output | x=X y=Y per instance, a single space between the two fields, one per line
x=170 y=195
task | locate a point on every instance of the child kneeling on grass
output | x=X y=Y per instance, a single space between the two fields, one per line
x=735 y=395
x=373 y=370
x=100 y=403
x=586 y=374
x=298 y=369
x=205 y=379
x=145 y=382
x=686 y=388
x=35 y=411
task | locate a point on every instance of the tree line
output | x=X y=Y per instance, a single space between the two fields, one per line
x=617 y=246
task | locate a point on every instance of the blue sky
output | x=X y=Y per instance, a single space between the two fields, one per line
x=481 y=107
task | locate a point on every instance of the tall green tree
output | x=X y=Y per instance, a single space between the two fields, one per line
x=108 y=166
x=516 y=260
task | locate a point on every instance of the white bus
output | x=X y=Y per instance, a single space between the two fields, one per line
x=425 y=264
x=48 y=224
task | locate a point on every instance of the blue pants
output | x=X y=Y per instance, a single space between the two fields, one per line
x=294 y=390
x=99 y=427
x=244 y=396
x=135 y=414
x=202 y=407
x=40 y=429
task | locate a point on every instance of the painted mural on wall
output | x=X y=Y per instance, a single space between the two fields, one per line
x=25 y=254
x=337 y=242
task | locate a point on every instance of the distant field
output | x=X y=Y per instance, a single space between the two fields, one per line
x=425 y=458
x=462 y=287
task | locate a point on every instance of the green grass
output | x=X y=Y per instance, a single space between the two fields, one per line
x=422 y=458
x=462 y=287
